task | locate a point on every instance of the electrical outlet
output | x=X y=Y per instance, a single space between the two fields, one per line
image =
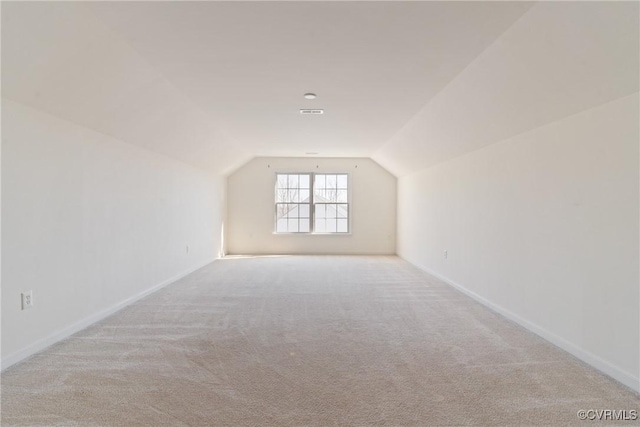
x=446 y=254
x=27 y=300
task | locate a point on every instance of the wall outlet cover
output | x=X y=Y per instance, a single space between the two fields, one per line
x=27 y=300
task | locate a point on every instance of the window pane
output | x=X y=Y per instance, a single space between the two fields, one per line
x=319 y=211
x=343 y=225
x=320 y=181
x=281 y=225
x=332 y=181
x=281 y=195
x=331 y=211
x=280 y=211
x=331 y=226
x=342 y=181
x=342 y=196
x=294 y=195
x=293 y=181
x=304 y=195
x=319 y=225
x=304 y=225
x=304 y=211
x=304 y=181
x=330 y=195
x=343 y=211
x=282 y=180
x=293 y=225
x=319 y=195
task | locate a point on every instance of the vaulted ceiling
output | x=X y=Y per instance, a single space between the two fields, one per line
x=410 y=84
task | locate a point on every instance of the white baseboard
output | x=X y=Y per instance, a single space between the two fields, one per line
x=602 y=365
x=57 y=336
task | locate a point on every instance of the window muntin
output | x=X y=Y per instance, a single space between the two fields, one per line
x=306 y=201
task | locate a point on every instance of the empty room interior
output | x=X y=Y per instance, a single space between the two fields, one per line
x=308 y=213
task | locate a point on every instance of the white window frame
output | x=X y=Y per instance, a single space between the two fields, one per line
x=312 y=203
x=276 y=203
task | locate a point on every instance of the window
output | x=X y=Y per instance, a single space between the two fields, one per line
x=330 y=207
x=293 y=202
x=306 y=202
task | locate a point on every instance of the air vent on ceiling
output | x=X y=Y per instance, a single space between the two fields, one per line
x=313 y=111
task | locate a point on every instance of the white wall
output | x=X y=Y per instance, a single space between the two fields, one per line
x=544 y=228
x=90 y=223
x=250 y=192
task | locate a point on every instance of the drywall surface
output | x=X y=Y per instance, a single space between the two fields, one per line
x=544 y=228
x=90 y=223
x=558 y=59
x=251 y=208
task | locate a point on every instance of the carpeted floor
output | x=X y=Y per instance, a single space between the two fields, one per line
x=306 y=341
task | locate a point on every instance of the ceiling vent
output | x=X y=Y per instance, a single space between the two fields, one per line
x=313 y=111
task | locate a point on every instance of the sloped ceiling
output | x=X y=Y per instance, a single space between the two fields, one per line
x=213 y=83
x=410 y=84
x=560 y=58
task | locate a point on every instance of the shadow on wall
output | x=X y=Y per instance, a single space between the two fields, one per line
x=221 y=254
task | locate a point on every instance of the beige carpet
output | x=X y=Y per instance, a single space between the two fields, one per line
x=306 y=341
